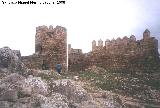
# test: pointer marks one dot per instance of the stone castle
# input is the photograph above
(50, 48)
(118, 54)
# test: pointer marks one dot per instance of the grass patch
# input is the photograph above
(123, 81)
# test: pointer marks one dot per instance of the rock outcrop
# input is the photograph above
(17, 91)
(23, 88)
(68, 88)
(35, 85)
(11, 59)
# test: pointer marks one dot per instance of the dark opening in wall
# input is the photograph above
(45, 65)
(38, 48)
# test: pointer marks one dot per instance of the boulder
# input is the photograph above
(23, 103)
(11, 59)
(6, 55)
(4, 104)
(56, 100)
(12, 78)
(11, 81)
(70, 89)
(33, 85)
(25, 87)
(20, 105)
(9, 95)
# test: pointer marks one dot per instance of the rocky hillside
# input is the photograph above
(24, 88)
(135, 89)
(93, 88)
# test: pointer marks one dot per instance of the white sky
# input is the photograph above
(85, 20)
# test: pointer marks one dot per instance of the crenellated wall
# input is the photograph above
(147, 45)
(120, 53)
(126, 52)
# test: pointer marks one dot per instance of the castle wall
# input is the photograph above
(51, 48)
(76, 59)
(33, 61)
(125, 53)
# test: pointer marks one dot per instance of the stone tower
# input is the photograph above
(146, 34)
(51, 45)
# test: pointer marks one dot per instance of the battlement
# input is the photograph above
(45, 36)
(127, 44)
(50, 28)
(125, 40)
(126, 52)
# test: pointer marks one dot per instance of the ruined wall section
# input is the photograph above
(33, 61)
(76, 59)
(50, 48)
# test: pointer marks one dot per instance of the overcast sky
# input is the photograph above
(85, 20)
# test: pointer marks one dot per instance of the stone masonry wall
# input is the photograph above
(76, 58)
(50, 48)
(126, 53)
